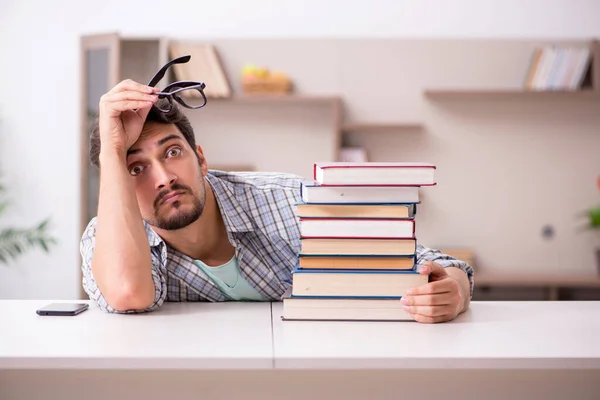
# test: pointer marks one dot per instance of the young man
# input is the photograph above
(168, 229)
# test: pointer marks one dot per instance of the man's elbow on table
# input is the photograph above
(123, 286)
(127, 297)
(125, 300)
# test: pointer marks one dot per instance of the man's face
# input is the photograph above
(169, 178)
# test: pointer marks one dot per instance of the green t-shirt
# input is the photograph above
(229, 279)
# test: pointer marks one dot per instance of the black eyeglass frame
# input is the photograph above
(171, 91)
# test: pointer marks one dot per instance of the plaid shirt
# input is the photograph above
(259, 213)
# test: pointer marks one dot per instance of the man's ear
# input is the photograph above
(202, 160)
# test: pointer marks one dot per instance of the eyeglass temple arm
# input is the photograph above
(161, 73)
(184, 84)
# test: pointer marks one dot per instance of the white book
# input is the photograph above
(357, 227)
(375, 173)
(312, 192)
(355, 283)
(344, 309)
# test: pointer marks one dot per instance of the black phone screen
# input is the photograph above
(63, 309)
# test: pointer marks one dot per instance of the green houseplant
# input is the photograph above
(16, 241)
(594, 213)
(592, 222)
(594, 218)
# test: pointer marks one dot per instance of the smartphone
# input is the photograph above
(63, 309)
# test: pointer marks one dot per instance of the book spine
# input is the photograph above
(357, 271)
(377, 184)
(375, 166)
(409, 220)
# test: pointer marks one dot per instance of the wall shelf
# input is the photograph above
(588, 82)
(280, 98)
(375, 128)
(481, 94)
(553, 285)
(565, 280)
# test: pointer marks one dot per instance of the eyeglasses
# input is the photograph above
(175, 90)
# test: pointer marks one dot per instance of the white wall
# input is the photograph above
(39, 71)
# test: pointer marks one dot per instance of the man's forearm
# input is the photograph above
(121, 263)
(463, 282)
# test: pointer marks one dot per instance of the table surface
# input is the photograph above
(504, 335)
(178, 336)
(236, 335)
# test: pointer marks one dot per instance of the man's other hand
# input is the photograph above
(440, 300)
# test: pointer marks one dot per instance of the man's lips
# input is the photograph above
(171, 196)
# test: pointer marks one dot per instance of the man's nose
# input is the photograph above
(164, 177)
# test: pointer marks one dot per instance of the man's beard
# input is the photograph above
(182, 218)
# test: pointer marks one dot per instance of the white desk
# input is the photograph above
(496, 335)
(517, 350)
(496, 350)
(178, 336)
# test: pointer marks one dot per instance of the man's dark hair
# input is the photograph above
(174, 116)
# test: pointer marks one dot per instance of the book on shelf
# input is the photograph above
(374, 173)
(559, 68)
(204, 66)
(353, 154)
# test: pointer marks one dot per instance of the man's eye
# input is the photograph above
(136, 170)
(174, 152)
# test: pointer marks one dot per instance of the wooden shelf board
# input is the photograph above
(380, 127)
(511, 93)
(232, 167)
(280, 98)
(485, 279)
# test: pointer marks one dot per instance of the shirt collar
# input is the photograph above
(153, 238)
(232, 211)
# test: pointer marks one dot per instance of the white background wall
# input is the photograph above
(39, 71)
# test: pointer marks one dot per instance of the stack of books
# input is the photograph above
(358, 242)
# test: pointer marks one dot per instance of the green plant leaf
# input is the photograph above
(3, 206)
(594, 216)
(42, 225)
(14, 242)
